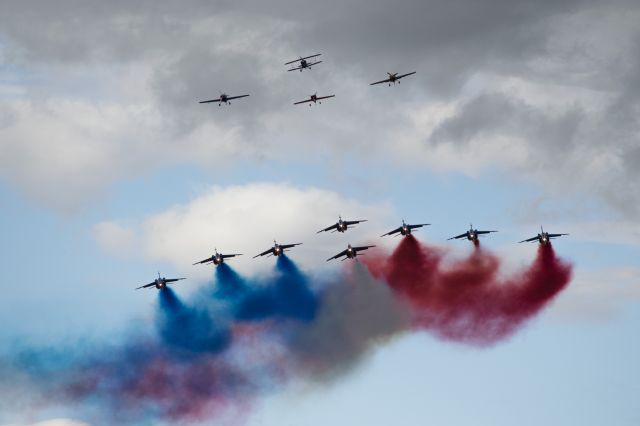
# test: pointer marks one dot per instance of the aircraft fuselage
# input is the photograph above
(351, 253)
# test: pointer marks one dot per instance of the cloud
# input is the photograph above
(599, 295)
(64, 152)
(546, 92)
(246, 219)
(114, 238)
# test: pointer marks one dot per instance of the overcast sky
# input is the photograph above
(520, 114)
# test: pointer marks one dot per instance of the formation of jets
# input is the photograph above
(303, 63)
(351, 252)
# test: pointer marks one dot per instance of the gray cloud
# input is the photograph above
(489, 115)
(164, 57)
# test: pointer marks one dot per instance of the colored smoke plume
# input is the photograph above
(186, 369)
(356, 312)
(189, 330)
(288, 295)
(466, 301)
(242, 337)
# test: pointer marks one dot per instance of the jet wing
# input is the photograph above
(264, 253)
(329, 228)
(209, 101)
(236, 97)
(457, 237)
(325, 97)
(302, 102)
(342, 253)
(556, 235)
(528, 240)
(353, 222)
(405, 75)
(171, 280)
(398, 229)
(361, 248)
(146, 285)
(224, 256)
(386, 80)
(288, 246)
(204, 261)
(484, 232)
(419, 225)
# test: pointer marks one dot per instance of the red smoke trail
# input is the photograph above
(466, 301)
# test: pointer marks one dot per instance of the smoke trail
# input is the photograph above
(356, 312)
(189, 330)
(189, 370)
(286, 296)
(245, 337)
(229, 285)
(466, 301)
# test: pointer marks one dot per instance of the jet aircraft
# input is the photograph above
(350, 252)
(393, 78)
(277, 249)
(223, 99)
(543, 237)
(341, 225)
(303, 62)
(471, 234)
(405, 229)
(217, 258)
(160, 282)
(314, 99)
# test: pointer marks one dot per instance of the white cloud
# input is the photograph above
(245, 219)
(114, 238)
(64, 152)
(598, 294)
(109, 108)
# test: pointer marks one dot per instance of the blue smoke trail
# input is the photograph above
(189, 330)
(288, 296)
(230, 285)
(189, 369)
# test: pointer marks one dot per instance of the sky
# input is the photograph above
(521, 114)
